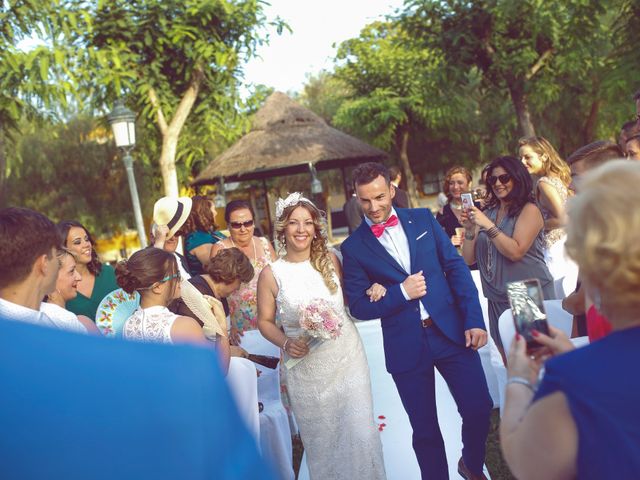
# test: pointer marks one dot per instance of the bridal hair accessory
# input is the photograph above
(292, 199)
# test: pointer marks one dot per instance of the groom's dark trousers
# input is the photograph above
(414, 345)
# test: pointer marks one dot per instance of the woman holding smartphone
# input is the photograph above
(583, 420)
(507, 239)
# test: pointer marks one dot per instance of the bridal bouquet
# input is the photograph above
(319, 321)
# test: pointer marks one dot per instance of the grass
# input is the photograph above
(496, 465)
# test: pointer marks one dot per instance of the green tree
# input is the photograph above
(395, 91)
(523, 48)
(71, 171)
(178, 63)
(323, 94)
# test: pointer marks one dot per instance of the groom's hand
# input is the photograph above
(415, 285)
(475, 338)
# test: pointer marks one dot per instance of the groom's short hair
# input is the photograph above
(367, 172)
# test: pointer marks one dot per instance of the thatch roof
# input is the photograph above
(284, 139)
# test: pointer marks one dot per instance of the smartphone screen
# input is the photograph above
(527, 306)
(467, 201)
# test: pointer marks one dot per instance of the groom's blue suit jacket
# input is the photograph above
(451, 299)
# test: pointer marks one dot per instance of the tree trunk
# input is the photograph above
(519, 99)
(3, 170)
(590, 124)
(168, 165)
(403, 147)
(171, 131)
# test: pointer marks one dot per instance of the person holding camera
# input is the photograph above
(583, 420)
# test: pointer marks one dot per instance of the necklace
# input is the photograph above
(456, 206)
(255, 253)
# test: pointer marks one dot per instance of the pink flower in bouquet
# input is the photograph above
(320, 320)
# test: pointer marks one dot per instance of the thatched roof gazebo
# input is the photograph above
(284, 140)
(287, 139)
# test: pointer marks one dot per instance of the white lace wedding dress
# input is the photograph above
(330, 389)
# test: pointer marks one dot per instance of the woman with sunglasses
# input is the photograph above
(507, 238)
(243, 302)
(153, 273)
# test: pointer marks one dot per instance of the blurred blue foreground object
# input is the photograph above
(78, 407)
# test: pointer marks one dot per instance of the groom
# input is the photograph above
(430, 317)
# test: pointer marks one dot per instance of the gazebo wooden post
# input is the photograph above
(345, 183)
(266, 204)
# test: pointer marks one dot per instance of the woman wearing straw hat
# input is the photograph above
(169, 214)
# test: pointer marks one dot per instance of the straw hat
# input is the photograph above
(172, 212)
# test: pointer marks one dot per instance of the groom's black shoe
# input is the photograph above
(465, 473)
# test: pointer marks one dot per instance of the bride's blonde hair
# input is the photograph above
(320, 258)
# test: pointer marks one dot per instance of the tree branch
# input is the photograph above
(539, 63)
(162, 122)
(187, 101)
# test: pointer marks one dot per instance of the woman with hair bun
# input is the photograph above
(153, 273)
(329, 387)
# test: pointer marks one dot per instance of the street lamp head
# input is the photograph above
(123, 124)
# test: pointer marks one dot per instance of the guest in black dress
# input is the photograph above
(456, 182)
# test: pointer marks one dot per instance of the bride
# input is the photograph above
(329, 388)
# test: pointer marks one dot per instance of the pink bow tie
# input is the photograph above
(378, 228)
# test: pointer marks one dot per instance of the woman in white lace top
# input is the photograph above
(154, 274)
(54, 305)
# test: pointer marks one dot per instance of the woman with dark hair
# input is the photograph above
(153, 273)
(98, 279)
(243, 302)
(223, 275)
(329, 387)
(200, 233)
(507, 239)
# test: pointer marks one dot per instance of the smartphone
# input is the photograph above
(467, 201)
(527, 306)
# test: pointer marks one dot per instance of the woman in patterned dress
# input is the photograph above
(242, 303)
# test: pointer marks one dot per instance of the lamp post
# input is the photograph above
(122, 122)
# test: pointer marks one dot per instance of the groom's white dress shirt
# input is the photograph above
(394, 240)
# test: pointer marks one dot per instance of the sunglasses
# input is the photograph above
(239, 225)
(504, 179)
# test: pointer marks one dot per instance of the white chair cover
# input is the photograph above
(485, 352)
(275, 433)
(243, 383)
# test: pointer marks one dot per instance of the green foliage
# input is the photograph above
(323, 94)
(71, 171)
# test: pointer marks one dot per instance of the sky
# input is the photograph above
(316, 26)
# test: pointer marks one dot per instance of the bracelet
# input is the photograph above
(521, 381)
(469, 235)
(493, 232)
(284, 345)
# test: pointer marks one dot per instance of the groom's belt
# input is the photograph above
(427, 322)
